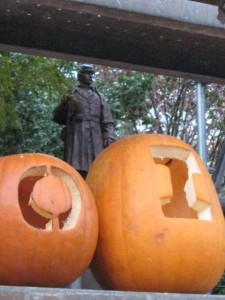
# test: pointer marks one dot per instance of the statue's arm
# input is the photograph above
(61, 111)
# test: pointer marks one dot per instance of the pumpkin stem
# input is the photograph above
(55, 222)
(48, 170)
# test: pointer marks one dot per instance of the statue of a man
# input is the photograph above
(89, 123)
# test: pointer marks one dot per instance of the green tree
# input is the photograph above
(30, 88)
(126, 94)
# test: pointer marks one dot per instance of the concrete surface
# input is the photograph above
(28, 293)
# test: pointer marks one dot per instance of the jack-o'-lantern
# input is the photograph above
(49, 226)
(161, 226)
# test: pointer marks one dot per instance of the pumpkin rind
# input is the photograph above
(31, 254)
(143, 245)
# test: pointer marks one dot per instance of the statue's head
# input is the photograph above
(85, 74)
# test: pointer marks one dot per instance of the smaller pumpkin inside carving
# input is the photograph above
(50, 198)
(47, 192)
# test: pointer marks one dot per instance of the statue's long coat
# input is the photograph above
(88, 123)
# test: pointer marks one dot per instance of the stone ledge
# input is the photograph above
(33, 293)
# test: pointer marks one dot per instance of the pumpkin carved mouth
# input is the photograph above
(47, 192)
(189, 198)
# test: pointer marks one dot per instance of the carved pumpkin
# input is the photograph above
(48, 229)
(161, 226)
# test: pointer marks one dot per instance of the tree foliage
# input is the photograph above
(30, 87)
(145, 103)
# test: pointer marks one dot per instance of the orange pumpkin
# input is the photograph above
(49, 226)
(161, 227)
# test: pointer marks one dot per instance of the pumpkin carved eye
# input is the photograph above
(186, 196)
(49, 198)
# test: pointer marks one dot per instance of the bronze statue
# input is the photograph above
(89, 123)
